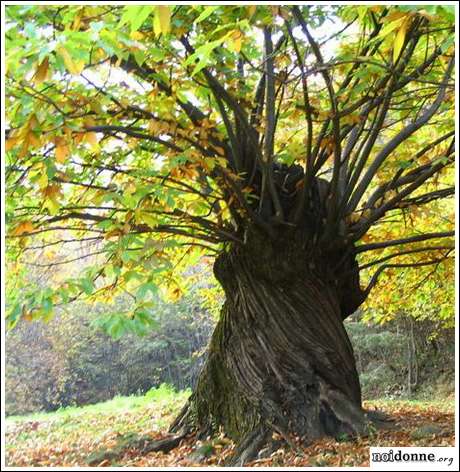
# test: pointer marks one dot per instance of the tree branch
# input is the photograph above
(400, 242)
(398, 139)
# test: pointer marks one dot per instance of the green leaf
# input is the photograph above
(447, 43)
(145, 288)
(117, 327)
(205, 13)
(146, 319)
(141, 17)
(87, 285)
(203, 54)
(135, 16)
(13, 316)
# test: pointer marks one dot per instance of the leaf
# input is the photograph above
(26, 136)
(51, 191)
(140, 17)
(51, 194)
(23, 228)
(447, 43)
(390, 27)
(61, 153)
(74, 67)
(399, 40)
(162, 20)
(131, 15)
(41, 73)
(90, 137)
(203, 54)
(145, 288)
(62, 150)
(236, 38)
(87, 285)
(205, 13)
(10, 143)
(116, 328)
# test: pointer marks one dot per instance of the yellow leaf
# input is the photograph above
(41, 73)
(251, 10)
(162, 20)
(396, 15)
(91, 138)
(51, 193)
(136, 35)
(10, 143)
(236, 38)
(62, 149)
(29, 139)
(114, 233)
(23, 228)
(74, 67)
(153, 127)
(399, 39)
(95, 106)
(52, 205)
(43, 181)
(174, 293)
(61, 153)
(77, 21)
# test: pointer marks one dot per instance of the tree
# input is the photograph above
(290, 144)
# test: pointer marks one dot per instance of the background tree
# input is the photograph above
(295, 144)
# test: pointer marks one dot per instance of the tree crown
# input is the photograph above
(141, 138)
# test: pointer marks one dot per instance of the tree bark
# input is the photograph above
(279, 358)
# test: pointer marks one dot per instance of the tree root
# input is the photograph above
(259, 443)
(249, 447)
(163, 445)
(143, 444)
(379, 419)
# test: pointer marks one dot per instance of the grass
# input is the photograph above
(70, 436)
(74, 431)
(119, 404)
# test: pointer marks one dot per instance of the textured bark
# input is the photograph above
(280, 358)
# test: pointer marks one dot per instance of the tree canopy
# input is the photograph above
(142, 138)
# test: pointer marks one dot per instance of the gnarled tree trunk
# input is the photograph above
(280, 358)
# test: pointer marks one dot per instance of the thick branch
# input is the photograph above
(399, 242)
(398, 139)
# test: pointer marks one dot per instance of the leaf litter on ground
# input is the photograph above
(99, 436)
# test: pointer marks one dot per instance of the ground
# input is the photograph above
(117, 433)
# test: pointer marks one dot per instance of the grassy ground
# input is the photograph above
(107, 434)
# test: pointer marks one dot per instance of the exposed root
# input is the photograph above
(380, 420)
(143, 444)
(182, 424)
(250, 446)
(163, 445)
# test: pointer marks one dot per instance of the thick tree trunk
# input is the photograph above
(280, 358)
